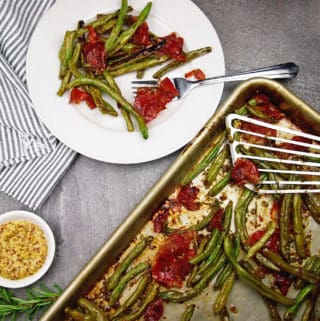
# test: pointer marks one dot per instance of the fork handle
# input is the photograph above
(286, 70)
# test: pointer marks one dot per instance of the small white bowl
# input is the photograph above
(37, 220)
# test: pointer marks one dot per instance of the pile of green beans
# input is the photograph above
(223, 253)
(116, 30)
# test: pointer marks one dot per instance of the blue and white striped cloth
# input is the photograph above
(32, 160)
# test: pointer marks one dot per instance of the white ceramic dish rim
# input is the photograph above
(33, 218)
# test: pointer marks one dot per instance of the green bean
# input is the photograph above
(118, 97)
(252, 102)
(133, 254)
(198, 226)
(210, 273)
(112, 83)
(240, 214)
(266, 263)
(309, 312)
(200, 249)
(106, 27)
(143, 63)
(284, 226)
(143, 282)
(95, 312)
(175, 63)
(292, 311)
(313, 203)
(64, 83)
(222, 297)
(219, 186)
(261, 242)
(209, 248)
(188, 312)
(218, 246)
(251, 280)
(118, 26)
(216, 166)
(76, 315)
(65, 52)
(309, 266)
(74, 61)
(298, 225)
(294, 270)
(103, 106)
(222, 277)
(152, 292)
(117, 291)
(209, 157)
(124, 37)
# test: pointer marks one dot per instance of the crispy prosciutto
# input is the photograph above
(94, 52)
(244, 171)
(171, 264)
(78, 95)
(154, 311)
(187, 196)
(149, 101)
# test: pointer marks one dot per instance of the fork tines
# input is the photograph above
(290, 165)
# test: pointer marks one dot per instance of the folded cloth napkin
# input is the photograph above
(32, 160)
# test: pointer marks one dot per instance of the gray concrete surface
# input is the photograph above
(94, 197)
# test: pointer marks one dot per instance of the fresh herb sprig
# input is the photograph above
(36, 300)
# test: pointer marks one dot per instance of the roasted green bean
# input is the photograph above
(209, 157)
(219, 186)
(143, 282)
(117, 291)
(95, 312)
(222, 297)
(284, 225)
(294, 270)
(124, 37)
(152, 292)
(297, 224)
(133, 254)
(118, 26)
(175, 63)
(216, 166)
(291, 311)
(188, 312)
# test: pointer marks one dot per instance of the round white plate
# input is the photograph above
(103, 137)
(35, 219)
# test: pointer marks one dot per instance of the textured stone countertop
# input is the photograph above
(93, 197)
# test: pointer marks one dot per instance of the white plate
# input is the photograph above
(103, 137)
(35, 219)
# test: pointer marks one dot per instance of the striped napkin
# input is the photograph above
(32, 160)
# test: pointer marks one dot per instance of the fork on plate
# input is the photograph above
(281, 71)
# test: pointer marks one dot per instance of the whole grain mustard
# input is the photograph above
(23, 249)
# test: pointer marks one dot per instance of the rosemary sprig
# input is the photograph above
(36, 300)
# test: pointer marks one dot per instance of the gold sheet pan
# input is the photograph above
(132, 225)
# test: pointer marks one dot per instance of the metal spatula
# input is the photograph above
(290, 165)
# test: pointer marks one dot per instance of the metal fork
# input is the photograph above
(281, 71)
